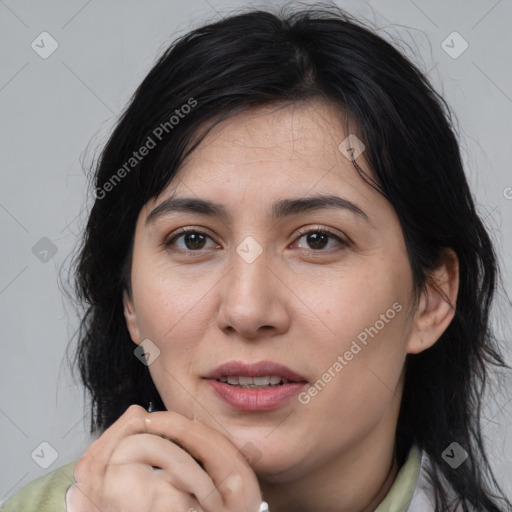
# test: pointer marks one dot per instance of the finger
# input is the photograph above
(76, 472)
(234, 478)
(128, 488)
(172, 500)
(93, 463)
(131, 488)
(203, 443)
(170, 425)
(178, 468)
(130, 422)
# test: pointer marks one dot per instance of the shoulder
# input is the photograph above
(45, 494)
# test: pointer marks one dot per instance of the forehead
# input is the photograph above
(311, 129)
(268, 160)
(285, 146)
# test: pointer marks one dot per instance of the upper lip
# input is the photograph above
(259, 369)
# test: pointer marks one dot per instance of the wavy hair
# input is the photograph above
(257, 58)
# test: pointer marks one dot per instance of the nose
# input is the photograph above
(253, 298)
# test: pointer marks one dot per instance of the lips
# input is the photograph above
(260, 369)
(255, 387)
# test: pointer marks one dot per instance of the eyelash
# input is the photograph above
(300, 234)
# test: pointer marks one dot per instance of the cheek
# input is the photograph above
(364, 346)
(360, 302)
(165, 299)
(357, 384)
(366, 352)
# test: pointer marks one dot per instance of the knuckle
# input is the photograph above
(166, 493)
(95, 447)
(79, 469)
(233, 484)
(134, 417)
(135, 413)
(135, 410)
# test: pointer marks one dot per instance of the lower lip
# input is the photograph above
(256, 400)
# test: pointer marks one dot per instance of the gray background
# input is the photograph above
(53, 109)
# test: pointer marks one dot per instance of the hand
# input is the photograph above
(162, 461)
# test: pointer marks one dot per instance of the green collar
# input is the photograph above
(400, 495)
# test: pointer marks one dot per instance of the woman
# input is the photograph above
(287, 286)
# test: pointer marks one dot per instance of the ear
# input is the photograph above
(437, 303)
(131, 318)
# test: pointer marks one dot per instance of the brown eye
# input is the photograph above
(192, 240)
(318, 239)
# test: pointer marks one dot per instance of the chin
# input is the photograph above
(274, 462)
(278, 470)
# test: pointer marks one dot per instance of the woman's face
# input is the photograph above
(252, 289)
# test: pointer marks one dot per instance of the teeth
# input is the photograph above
(260, 381)
(254, 382)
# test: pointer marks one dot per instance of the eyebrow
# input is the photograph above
(280, 209)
